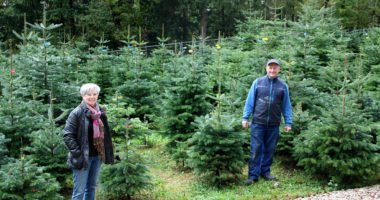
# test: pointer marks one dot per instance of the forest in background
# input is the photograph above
(192, 94)
(87, 20)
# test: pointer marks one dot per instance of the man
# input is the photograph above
(267, 99)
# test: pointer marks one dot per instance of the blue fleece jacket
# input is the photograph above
(267, 100)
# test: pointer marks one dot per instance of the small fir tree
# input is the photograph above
(216, 149)
(339, 145)
(120, 119)
(161, 56)
(23, 179)
(286, 142)
(129, 175)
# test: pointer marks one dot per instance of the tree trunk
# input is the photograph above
(184, 25)
(72, 19)
(203, 23)
(223, 21)
(326, 3)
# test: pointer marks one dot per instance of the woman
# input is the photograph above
(88, 139)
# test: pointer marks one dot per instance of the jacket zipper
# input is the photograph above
(270, 100)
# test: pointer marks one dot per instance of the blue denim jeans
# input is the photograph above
(85, 180)
(263, 145)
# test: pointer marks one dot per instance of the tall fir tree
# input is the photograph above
(98, 67)
(37, 59)
(70, 61)
(42, 66)
(304, 58)
(138, 86)
(316, 32)
(216, 149)
(355, 14)
(237, 69)
(3, 66)
(370, 67)
(340, 145)
(18, 121)
(47, 148)
(183, 102)
(369, 49)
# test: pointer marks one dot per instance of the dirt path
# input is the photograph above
(366, 193)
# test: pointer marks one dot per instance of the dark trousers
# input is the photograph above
(263, 145)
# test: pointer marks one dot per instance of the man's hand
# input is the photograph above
(245, 124)
(288, 129)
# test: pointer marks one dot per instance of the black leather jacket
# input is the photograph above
(76, 137)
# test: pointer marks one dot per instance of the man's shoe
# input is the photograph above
(250, 181)
(269, 177)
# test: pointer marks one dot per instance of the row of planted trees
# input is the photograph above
(193, 96)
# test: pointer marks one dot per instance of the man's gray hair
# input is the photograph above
(88, 87)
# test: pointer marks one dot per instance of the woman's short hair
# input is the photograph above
(85, 88)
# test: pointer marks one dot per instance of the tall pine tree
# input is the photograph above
(47, 147)
(183, 102)
(216, 149)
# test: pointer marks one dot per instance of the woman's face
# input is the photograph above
(91, 97)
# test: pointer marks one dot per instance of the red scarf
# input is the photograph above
(98, 130)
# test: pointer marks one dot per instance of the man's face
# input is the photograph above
(272, 70)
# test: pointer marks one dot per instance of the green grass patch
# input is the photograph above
(173, 184)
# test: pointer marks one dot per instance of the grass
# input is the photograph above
(170, 183)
